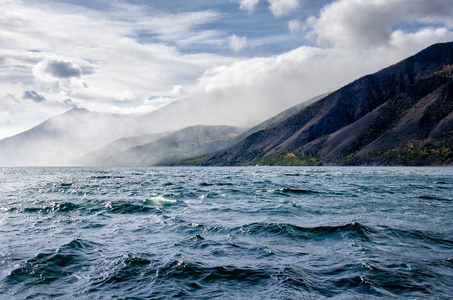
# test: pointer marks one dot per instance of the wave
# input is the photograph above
(292, 174)
(121, 207)
(130, 270)
(176, 278)
(102, 177)
(107, 177)
(218, 184)
(433, 198)
(65, 185)
(126, 207)
(351, 230)
(418, 237)
(160, 200)
(196, 271)
(55, 265)
(296, 191)
(56, 207)
(149, 278)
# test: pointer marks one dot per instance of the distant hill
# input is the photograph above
(401, 115)
(63, 138)
(169, 147)
(103, 155)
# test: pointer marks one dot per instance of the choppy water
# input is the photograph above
(226, 233)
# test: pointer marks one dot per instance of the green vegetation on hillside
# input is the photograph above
(290, 158)
(413, 153)
(416, 153)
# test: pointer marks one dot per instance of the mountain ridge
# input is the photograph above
(336, 128)
(182, 144)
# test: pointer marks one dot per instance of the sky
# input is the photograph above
(135, 56)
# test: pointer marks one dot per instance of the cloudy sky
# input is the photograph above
(134, 56)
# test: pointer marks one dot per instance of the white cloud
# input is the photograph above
(294, 25)
(91, 56)
(370, 23)
(182, 29)
(177, 90)
(237, 43)
(257, 88)
(248, 5)
(124, 95)
(57, 75)
(55, 68)
(282, 7)
(419, 39)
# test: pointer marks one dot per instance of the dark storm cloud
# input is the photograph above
(33, 95)
(63, 69)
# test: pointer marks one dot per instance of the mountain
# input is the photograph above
(271, 122)
(59, 140)
(400, 115)
(121, 152)
(102, 155)
(169, 147)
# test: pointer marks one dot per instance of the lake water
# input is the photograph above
(226, 233)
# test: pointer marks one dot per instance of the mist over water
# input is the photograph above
(227, 233)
